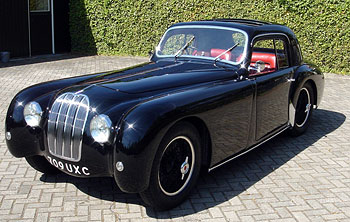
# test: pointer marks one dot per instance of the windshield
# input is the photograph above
(206, 42)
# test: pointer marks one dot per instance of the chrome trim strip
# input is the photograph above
(234, 157)
(85, 88)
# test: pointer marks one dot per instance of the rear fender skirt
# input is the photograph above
(291, 114)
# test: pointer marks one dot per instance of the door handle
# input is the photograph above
(291, 80)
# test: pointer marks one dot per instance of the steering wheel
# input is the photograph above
(191, 47)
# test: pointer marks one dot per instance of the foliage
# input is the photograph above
(38, 5)
(133, 27)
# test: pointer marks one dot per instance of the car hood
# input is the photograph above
(164, 76)
(115, 92)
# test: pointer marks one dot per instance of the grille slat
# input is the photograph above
(78, 127)
(66, 124)
(60, 123)
(52, 127)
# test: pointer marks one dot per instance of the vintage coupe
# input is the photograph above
(212, 91)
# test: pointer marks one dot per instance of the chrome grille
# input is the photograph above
(66, 124)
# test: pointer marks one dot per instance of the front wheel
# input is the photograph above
(303, 110)
(175, 169)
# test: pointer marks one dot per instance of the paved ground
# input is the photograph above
(288, 179)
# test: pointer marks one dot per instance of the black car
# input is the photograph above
(212, 91)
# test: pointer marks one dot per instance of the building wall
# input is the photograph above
(14, 27)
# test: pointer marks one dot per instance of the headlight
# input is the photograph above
(100, 128)
(32, 113)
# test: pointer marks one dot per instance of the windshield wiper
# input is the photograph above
(183, 48)
(228, 50)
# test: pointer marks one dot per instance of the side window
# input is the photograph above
(282, 54)
(269, 55)
(264, 45)
(296, 51)
(263, 57)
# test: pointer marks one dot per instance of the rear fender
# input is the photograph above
(305, 73)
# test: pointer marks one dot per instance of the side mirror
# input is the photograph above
(150, 55)
(242, 73)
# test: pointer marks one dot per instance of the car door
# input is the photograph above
(272, 74)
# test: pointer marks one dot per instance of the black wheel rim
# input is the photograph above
(176, 166)
(303, 108)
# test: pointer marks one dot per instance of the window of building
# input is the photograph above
(39, 5)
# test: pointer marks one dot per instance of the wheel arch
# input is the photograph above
(309, 73)
(205, 138)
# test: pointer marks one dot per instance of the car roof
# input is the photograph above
(251, 27)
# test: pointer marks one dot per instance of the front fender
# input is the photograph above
(140, 134)
(25, 140)
(142, 129)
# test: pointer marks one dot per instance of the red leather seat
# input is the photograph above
(268, 58)
(216, 52)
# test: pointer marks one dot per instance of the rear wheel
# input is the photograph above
(175, 168)
(42, 165)
(303, 110)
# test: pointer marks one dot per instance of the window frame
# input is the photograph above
(274, 36)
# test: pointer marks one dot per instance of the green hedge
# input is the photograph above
(133, 27)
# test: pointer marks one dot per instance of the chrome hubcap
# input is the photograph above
(176, 166)
(308, 107)
(184, 168)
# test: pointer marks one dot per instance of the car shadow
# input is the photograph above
(40, 59)
(225, 182)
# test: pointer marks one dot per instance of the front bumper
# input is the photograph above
(97, 160)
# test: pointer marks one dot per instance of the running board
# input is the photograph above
(250, 149)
